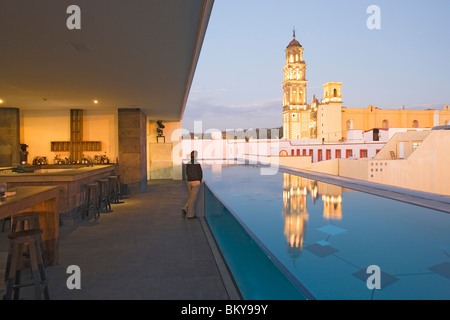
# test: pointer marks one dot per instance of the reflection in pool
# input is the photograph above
(326, 235)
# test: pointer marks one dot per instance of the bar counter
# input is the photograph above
(71, 182)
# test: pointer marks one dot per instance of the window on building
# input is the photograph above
(376, 135)
(298, 152)
(415, 124)
(338, 154)
(319, 155)
(292, 152)
(348, 153)
(385, 124)
(283, 153)
(363, 153)
(328, 154)
(349, 124)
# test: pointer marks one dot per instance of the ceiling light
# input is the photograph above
(1, 100)
(95, 101)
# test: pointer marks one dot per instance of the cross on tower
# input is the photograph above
(76, 145)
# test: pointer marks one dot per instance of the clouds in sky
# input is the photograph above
(214, 115)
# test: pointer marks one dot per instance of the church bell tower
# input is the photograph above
(297, 120)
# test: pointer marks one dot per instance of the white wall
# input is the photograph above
(371, 148)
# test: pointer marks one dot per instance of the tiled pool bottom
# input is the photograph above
(326, 236)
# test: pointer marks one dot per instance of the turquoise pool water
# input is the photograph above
(326, 236)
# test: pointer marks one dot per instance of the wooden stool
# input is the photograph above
(39, 281)
(114, 188)
(91, 200)
(24, 221)
(103, 194)
(119, 186)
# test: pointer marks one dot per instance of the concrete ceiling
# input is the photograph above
(127, 54)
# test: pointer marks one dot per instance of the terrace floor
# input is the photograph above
(143, 249)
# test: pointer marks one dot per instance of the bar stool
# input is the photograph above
(114, 188)
(103, 194)
(91, 199)
(119, 187)
(39, 282)
(24, 221)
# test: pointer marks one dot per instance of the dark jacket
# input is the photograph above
(194, 172)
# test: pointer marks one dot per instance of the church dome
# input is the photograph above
(294, 43)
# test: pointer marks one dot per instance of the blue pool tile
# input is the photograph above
(323, 242)
(331, 229)
(320, 250)
(443, 269)
(385, 278)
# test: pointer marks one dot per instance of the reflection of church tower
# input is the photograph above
(294, 212)
(297, 121)
(332, 207)
(332, 200)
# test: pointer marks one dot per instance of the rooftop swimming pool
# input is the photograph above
(321, 238)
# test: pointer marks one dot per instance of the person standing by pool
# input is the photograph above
(194, 177)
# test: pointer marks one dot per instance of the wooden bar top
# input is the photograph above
(62, 174)
(25, 198)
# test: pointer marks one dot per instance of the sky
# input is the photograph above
(239, 75)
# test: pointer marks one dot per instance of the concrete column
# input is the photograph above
(9, 137)
(133, 149)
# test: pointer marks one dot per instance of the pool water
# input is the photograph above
(326, 236)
